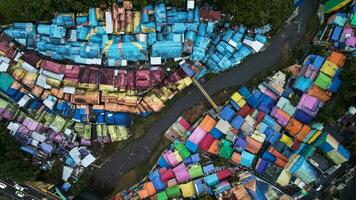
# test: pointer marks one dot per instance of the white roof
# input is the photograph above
(50, 101)
(124, 63)
(53, 75)
(254, 44)
(232, 43)
(75, 154)
(18, 55)
(93, 61)
(67, 172)
(24, 100)
(4, 66)
(5, 59)
(13, 127)
(38, 136)
(68, 131)
(41, 81)
(29, 67)
(156, 60)
(88, 160)
(141, 37)
(190, 4)
(34, 143)
(223, 126)
(108, 20)
(69, 90)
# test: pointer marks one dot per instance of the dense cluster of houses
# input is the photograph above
(118, 36)
(182, 173)
(339, 30)
(267, 130)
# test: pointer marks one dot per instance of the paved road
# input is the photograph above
(107, 176)
(30, 192)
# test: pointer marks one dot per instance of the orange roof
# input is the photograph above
(293, 127)
(337, 58)
(282, 113)
(251, 185)
(207, 123)
(303, 133)
(236, 158)
(240, 193)
(280, 162)
(253, 146)
(147, 190)
(317, 92)
(214, 148)
(277, 154)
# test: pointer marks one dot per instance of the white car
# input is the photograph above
(18, 187)
(319, 188)
(3, 185)
(20, 194)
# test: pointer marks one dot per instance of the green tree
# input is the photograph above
(13, 163)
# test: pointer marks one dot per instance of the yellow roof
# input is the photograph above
(177, 156)
(236, 97)
(313, 138)
(329, 68)
(187, 189)
(284, 178)
(286, 140)
(241, 103)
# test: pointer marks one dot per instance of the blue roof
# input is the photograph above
(336, 33)
(302, 83)
(247, 159)
(237, 122)
(211, 180)
(208, 169)
(227, 113)
(216, 133)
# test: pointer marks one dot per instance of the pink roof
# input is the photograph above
(197, 135)
(181, 173)
(271, 94)
(71, 71)
(30, 124)
(170, 158)
(351, 41)
(156, 76)
(143, 79)
(107, 76)
(121, 80)
(184, 123)
(309, 102)
(131, 80)
(51, 66)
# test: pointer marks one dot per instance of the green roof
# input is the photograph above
(3, 103)
(333, 5)
(173, 191)
(162, 196)
(353, 19)
(5, 81)
(195, 171)
(323, 81)
(226, 149)
(183, 151)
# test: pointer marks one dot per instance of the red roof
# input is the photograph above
(121, 80)
(131, 80)
(206, 142)
(31, 58)
(167, 175)
(224, 174)
(245, 110)
(143, 79)
(51, 66)
(106, 76)
(210, 15)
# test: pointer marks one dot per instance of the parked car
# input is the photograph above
(319, 188)
(3, 185)
(20, 194)
(18, 187)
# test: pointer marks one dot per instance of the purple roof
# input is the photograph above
(351, 41)
(181, 173)
(47, 148)
(309, 104)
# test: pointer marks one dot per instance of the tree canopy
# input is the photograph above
(256, 13)
(13, 163)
